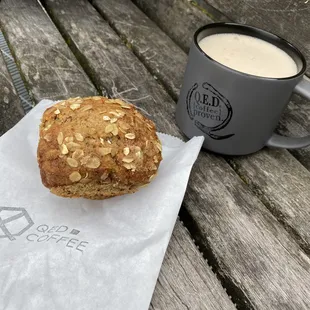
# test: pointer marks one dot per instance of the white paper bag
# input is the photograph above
(60, 253)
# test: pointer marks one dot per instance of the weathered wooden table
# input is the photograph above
(243, 237)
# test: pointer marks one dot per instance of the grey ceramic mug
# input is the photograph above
(236, 112)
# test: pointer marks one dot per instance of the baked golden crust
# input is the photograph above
(96, 148)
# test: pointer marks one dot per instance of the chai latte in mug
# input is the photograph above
(249, 55)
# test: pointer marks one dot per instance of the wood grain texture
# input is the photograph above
(244, 242)
(186, 281)
(177, 18)
(11, 110)
(256, 257)
(47, 64)
(108, 60)
(284, 185)
(287, 18)
(148, 42)
(295, 121)
(207, 289)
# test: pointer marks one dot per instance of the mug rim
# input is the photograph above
(260, 34)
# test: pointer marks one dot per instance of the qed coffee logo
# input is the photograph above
(209, 109)
(14, 222)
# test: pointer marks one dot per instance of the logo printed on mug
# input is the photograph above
(209, 109)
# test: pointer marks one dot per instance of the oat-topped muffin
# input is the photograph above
(96, 148)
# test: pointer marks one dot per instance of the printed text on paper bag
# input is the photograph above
(46, 233)
(14, 222)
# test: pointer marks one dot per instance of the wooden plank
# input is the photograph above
(283, 185)
(46, 62)
(275, 187)
(11, 110)
(139, 32)
(186, 281)
(206, 287)
(295, 122)
(177, 18)
(115, 68)
(288, 18)
(245, 242)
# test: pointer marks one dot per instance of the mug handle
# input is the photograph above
(303, 89)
